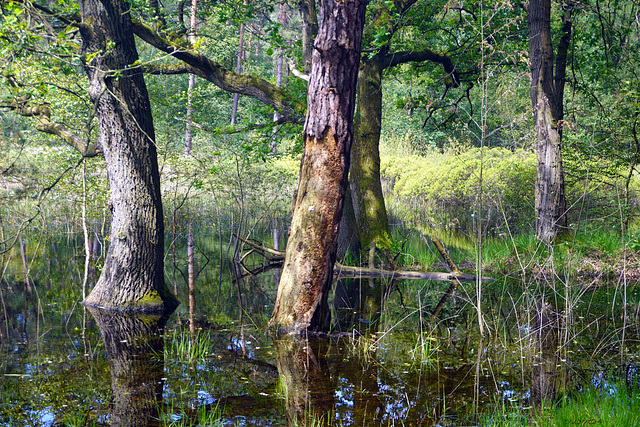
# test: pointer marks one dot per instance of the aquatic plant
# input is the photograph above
(183, 347)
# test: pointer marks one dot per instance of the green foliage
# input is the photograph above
(614, 405)
(634, 241)
(445, 189)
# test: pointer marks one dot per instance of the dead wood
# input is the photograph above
(275, 259)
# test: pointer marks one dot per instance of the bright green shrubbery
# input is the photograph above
(443, 189)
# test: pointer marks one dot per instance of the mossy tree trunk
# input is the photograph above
(309, 30)
(301, 302)
(364, 179)
(547, 97)
(366, 187)
(132, 277)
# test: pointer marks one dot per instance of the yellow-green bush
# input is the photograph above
(448, 189)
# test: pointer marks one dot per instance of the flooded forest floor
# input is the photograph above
(558, 326)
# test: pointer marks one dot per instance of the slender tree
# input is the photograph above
(188, 137)
(239, 58)
(547, 98)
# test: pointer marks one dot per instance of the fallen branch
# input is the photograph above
(341, 271)
(346, 271)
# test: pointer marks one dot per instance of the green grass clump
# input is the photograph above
(614, 406)
(183, 347)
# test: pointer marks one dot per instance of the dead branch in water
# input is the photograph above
(276, 258)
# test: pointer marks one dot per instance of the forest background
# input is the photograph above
(457, 133)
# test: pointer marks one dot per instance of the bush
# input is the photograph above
(443, 189)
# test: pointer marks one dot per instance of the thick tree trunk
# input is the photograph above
(547, 99)
(366, 188)
(132, 277)
(301, 302)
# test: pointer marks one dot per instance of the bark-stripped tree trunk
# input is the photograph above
(547, 96)
(132, 278)
(301, 302)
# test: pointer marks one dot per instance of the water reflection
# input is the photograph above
(135, 350)
(544, 370)
(357, 304)
(319, 383)
(305, 379)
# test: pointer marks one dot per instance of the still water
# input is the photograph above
(64, 365)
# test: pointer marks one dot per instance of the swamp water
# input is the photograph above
(64, 365)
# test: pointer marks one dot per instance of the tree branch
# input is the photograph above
(44, 124)
(397, 58)
(215, 73)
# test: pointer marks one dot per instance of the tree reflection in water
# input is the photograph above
(135, 349)
(312, 374)
(544, 370)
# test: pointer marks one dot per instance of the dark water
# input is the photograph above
(64, 365)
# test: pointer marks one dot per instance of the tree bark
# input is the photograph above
(309, 31)
(301, 302)
(366, 188)
(132, 278)
(547, 100)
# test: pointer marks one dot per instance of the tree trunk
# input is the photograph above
(301, 302)
(282, 20)
(366, 188)
(132, 278)
(25, 266)
(191, 277)
(547, 100)
(309, 31)
(348, 238)
(236, 96)
(188, 137)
